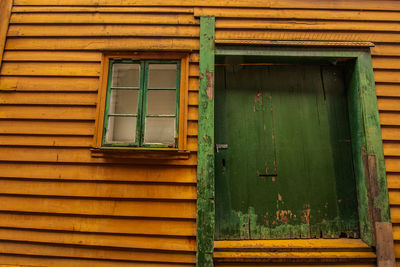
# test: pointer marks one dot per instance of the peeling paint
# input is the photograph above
(306, 214)
(258, 102)
(210, 87)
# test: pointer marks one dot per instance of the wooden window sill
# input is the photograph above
(139, 153)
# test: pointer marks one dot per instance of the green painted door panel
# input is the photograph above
(283, 163)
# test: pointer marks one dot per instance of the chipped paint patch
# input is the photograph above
(210, 87)
(306, 214)
(258, 102)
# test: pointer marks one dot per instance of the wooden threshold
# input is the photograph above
(293, 250)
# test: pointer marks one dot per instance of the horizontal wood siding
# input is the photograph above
(63, 207)
(60, 205)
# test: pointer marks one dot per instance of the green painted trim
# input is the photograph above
(142, 102)
(205, 167)
(358, 141)
(373, 137)
(372, 193)
(143, 107)
(287, 52)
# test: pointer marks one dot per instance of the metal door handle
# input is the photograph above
(220, 146)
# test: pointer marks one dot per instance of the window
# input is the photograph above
(141, 100)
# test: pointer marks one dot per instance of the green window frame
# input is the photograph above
(142, 113)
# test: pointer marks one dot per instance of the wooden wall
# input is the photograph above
(378, 22)
(62, 207)
(59, 205)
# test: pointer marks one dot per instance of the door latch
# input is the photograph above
(220, 146)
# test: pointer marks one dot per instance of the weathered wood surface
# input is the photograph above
(82, 210)
(304, 167)
(367, 5)
(39, 139)
(205, 169)
(5, 7)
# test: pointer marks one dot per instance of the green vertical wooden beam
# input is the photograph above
(368, 157)
(205, 167)
(373, 139)
(358, 142)
(374, 164)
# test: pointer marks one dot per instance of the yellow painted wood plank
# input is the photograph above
(388, 76)
(397, 249)
(49, 98)
(305, 24)
(79, 155)
(85, 172)
(193, 113)
(305, 35)
(52, 56)
(123, 43)
(102, 18)
(194, 57)
(192, 128)
(130, 208)
(284, 256)
(269, 13)
(5, 7)
(396, 232)
(392, 164)
(193, 98)
(393, 180)
(26, 83)
(193, 84)
(86, 9)
(383, 89)
(46, 141)
(386, 50)
(67, 262)
(103, 30)
(349, 4)
(47, 112)
(94, 253)
(99, 239)
(113, 225)
(389, 118)
(194, 70)
(46, 127)
(340, 243)
(192, 143)
(51, 69)
(386, 62)
(390, 133)
(389, 104)
(394, 197)
(99, 189)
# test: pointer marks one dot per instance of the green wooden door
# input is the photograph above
(283, 153)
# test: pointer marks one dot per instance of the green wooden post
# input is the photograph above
(373, 138)
(205, 168)
(358, 141)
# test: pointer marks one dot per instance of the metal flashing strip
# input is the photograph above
(295, 43)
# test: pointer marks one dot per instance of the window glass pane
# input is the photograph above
(123, 101)
(125, 75)
(121, 129)
(161, 102)
(160, 131)
(162, 76)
